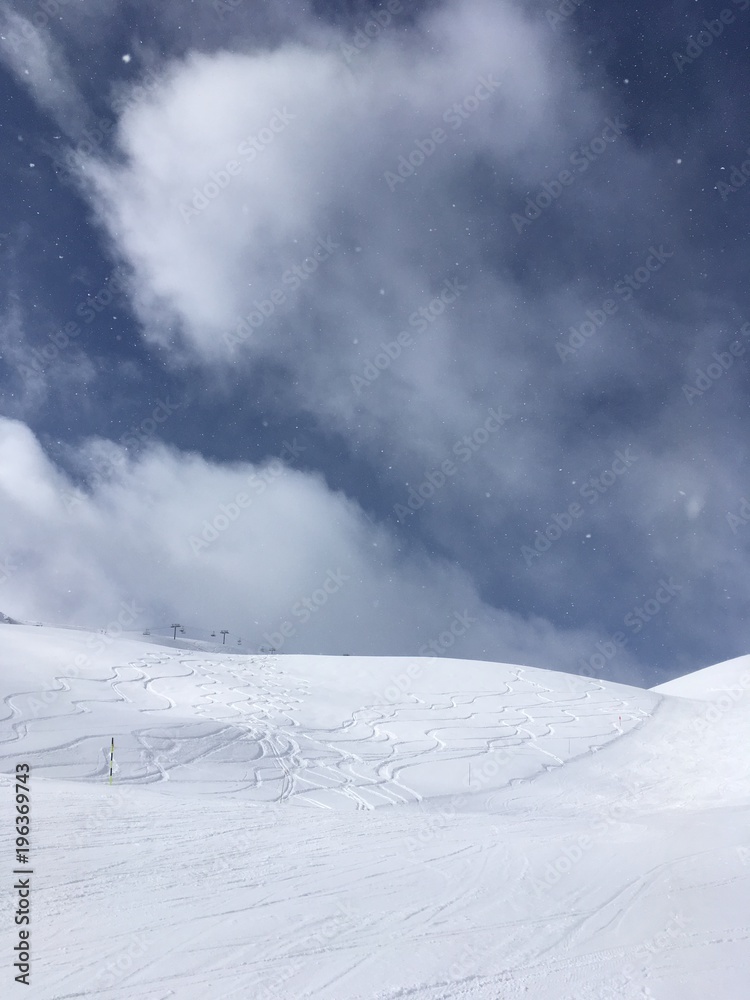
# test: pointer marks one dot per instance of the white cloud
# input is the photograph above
(139, 535)
(323, 174)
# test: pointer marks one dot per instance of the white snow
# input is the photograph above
(712, 683)
(339, 828)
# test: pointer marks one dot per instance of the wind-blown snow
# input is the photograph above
(339, 828)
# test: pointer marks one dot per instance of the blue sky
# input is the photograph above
(356, 326)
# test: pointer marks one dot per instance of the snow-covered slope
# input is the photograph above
(349, 827)
(729, 679)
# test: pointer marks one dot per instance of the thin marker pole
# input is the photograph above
(111, 759)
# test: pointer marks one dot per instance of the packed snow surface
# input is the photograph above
(340, 828)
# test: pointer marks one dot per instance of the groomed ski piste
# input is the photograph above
(284, 827)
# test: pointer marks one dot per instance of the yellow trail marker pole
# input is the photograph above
(111, 759)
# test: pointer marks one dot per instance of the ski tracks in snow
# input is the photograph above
(247, 714)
